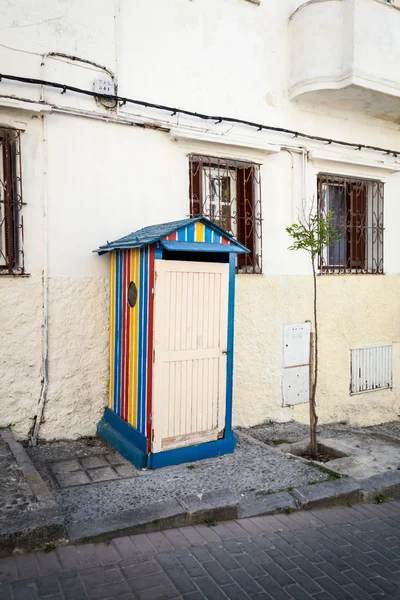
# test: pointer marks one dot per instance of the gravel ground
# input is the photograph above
(253, 470)
(387, 428)
(275, 433)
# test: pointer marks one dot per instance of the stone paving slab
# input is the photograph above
(324, 554)
(88, 469)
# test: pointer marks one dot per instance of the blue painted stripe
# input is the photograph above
(229, 362)
(124, 438)
(216, 238)
(118, 332)
(208, 234)
(146, 334)
(190, 233)
(142, 371)
(125, 429)
(201, 247)
(182, 234)
(191, 453)
(140, 342)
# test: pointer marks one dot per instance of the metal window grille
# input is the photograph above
(357, 208)
(371, 368)
(228, 192)
(11, 221)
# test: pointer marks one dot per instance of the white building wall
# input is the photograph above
(101, 180)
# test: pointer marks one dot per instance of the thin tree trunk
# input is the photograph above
(313, 412)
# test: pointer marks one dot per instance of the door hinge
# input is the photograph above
(152, 292)
(152, 435)
(154, 356)
(151, 417)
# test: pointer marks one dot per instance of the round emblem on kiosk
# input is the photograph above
(132, 294)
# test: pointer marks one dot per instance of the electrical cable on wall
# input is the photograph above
(205, 117)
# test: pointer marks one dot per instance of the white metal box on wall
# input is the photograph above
(296, 363)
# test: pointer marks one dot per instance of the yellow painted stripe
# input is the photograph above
(199, 232)
(112, 329)
(131, 347)
(136, 340)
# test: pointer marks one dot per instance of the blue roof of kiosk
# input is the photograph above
(154, 233)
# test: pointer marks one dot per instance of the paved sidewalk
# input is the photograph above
(329, 554)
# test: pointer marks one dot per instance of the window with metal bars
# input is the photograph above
(357, 209)
(11, 222)
(228, 192)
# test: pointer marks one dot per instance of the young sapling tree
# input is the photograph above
(313, 233)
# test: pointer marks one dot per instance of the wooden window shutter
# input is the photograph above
(358, 226)
(196, 204)
(245, 214)
(8, 203)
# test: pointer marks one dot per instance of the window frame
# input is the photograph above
(363, 230)
(245, 208)
(11, 203)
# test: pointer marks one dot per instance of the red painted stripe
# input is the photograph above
(173, 236)
(224, 240)
(150, 347)
(124, 336)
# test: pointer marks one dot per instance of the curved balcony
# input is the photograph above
(345, 54)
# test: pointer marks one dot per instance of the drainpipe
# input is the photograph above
(45, 287)
(304, 174)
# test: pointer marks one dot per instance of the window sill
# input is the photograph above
(247, 273)
(346, 272)
(15, 273)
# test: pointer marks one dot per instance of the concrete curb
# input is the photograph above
(328, 493)
(190, 510)
(46, 524)
(31, 475)
(223, 505)
(269, 505)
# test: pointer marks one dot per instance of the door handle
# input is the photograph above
(225, 351)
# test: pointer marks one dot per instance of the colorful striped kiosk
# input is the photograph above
(171, 343)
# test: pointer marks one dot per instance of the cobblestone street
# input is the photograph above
(329, 554)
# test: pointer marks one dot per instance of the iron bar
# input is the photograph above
(357, 208)
(228, 192)
(11, 223)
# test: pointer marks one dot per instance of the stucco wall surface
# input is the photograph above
(78, 357)
(21, 357)
(352, 311)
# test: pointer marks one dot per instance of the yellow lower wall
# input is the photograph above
(353, 310)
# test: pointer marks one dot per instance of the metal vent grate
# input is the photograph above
(371, 368)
